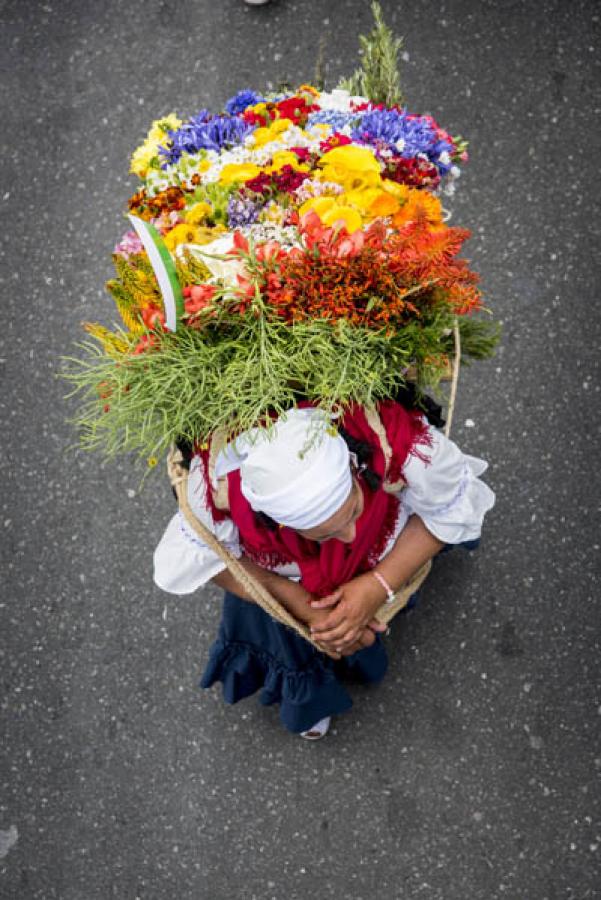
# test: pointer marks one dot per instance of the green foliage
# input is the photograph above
(378, 78)
(232, 373)
(217, 196)
(479, 338)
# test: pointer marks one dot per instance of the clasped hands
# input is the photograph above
(344, 620)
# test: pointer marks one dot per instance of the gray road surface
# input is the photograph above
(471, 774)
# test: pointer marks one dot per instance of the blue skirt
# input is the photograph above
(254, 653)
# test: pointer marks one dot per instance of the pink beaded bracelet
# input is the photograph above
(385, 585)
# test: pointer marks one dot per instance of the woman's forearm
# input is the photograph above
(414, 546)
(289, 593)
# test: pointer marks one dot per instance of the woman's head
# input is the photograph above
(299, 474)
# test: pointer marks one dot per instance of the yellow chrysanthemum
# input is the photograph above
(198, 213)
(238, 172)
(181, 234)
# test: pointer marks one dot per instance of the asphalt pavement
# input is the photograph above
(472, 773)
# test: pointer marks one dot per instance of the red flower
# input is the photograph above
(335, 140)
(199, 297)
(153, 317)
(296, 109)
(303, 153)
(259, 185)
(146, 342)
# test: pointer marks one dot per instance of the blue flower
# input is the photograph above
(205, 132)
(240, 101)
(332, 117)
(388, 127)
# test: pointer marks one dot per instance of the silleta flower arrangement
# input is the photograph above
(293, 245)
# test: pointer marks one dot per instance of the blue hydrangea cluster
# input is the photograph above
(240, 101)
(332, 117)
(205, 132)
(241, 212)
(388, 126)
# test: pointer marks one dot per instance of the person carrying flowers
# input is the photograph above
(289, 289)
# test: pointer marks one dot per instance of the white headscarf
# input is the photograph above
(298, 473)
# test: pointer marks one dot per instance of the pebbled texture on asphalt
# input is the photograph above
(472, 772)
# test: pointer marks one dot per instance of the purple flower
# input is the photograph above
(406, 135)
(205, 132)
(241, 212)
(240, 101)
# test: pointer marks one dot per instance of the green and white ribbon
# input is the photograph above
(164, 269)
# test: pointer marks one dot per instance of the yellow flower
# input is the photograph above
(181, 234)
(345, 215)
(198, 213)
(384, 205)
(152, 462)
(285, 158)
(321, 205)
(270, 133)
(353, 167)
(273, 212)
(206, 235)
(351, 157)
(235, 172)
(148, 150)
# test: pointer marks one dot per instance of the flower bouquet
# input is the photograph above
(294, 244)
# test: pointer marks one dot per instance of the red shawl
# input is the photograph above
(326, 566)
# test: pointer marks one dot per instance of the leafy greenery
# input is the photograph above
(378, 77)
(234, 372)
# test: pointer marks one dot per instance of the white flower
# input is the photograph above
(400, 145)
(444, 158)
(226, 269)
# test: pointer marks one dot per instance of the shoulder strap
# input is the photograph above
(377, 426)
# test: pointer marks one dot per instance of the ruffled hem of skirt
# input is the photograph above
(305, 695)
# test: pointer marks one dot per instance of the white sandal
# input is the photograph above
(317, 731)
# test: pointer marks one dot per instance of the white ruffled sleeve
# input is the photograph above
(446, 492)
(182, 562)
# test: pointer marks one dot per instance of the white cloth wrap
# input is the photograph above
(298, 473)
(446, 493)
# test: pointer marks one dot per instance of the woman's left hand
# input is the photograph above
(356, 604)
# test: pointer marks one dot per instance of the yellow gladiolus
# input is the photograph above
(235, 172)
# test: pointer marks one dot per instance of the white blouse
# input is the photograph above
(446, 493)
